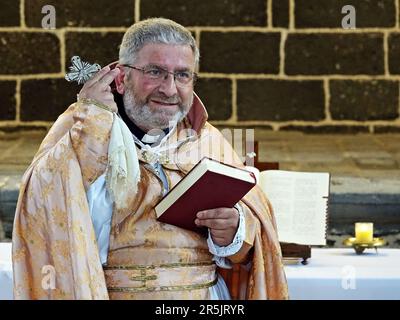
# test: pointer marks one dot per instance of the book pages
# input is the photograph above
(300, 203)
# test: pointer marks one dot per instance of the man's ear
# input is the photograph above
(119, 80)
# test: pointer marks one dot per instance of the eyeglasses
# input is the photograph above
(157, 74)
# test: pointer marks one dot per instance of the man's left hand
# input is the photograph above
(223, 224)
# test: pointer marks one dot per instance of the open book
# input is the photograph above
(300, 203)
(209, 185)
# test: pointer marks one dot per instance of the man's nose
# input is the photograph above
(168, 86)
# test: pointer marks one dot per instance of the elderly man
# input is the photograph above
(81, 232)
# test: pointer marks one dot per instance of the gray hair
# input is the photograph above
(155, 30)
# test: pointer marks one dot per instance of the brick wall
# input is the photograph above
(277, 64)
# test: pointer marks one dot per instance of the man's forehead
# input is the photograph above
(167, 55)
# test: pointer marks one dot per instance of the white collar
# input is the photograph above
(147, 138)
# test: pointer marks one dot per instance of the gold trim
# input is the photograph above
(359, 247)
(143, 278)
(376, 242)
(94, 102)
(150, 267)
(165, 288)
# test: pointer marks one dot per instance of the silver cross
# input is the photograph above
(81, 71)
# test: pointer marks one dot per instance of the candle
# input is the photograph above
(364, 232)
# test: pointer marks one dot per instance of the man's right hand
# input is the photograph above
(98, 88)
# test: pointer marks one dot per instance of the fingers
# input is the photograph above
(98, 76)
(221, 213)
(99, 89)
(108, 77)
(108, 96)
(218, 224)
(222, 222)
(219, 219)
(102, 85)
(103, 78)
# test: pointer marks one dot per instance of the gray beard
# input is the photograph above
(141, 114)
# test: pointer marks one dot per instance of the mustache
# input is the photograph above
(164, 99)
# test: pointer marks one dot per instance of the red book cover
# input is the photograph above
(211, 190)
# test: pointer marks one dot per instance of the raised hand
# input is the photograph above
(98, 88)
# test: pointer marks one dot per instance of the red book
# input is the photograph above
(209, 185)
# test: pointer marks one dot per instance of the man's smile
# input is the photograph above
(163, 103)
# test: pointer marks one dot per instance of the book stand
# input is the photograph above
(296, 251)
(289, 250)
(237, 277)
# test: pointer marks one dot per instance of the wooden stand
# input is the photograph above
(296, 251)
(289, 250)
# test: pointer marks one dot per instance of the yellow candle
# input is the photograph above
(364, 232)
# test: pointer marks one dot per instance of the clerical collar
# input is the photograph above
(139, 133)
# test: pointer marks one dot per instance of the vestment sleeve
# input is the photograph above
(244, 253)
(53, 234)
(88, 127)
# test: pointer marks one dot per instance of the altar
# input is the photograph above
(6, 285)
(341, 274)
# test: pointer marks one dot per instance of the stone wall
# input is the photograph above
(277, 64)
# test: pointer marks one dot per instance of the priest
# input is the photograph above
(85, 225)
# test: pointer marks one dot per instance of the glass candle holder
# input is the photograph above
(364, 232)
